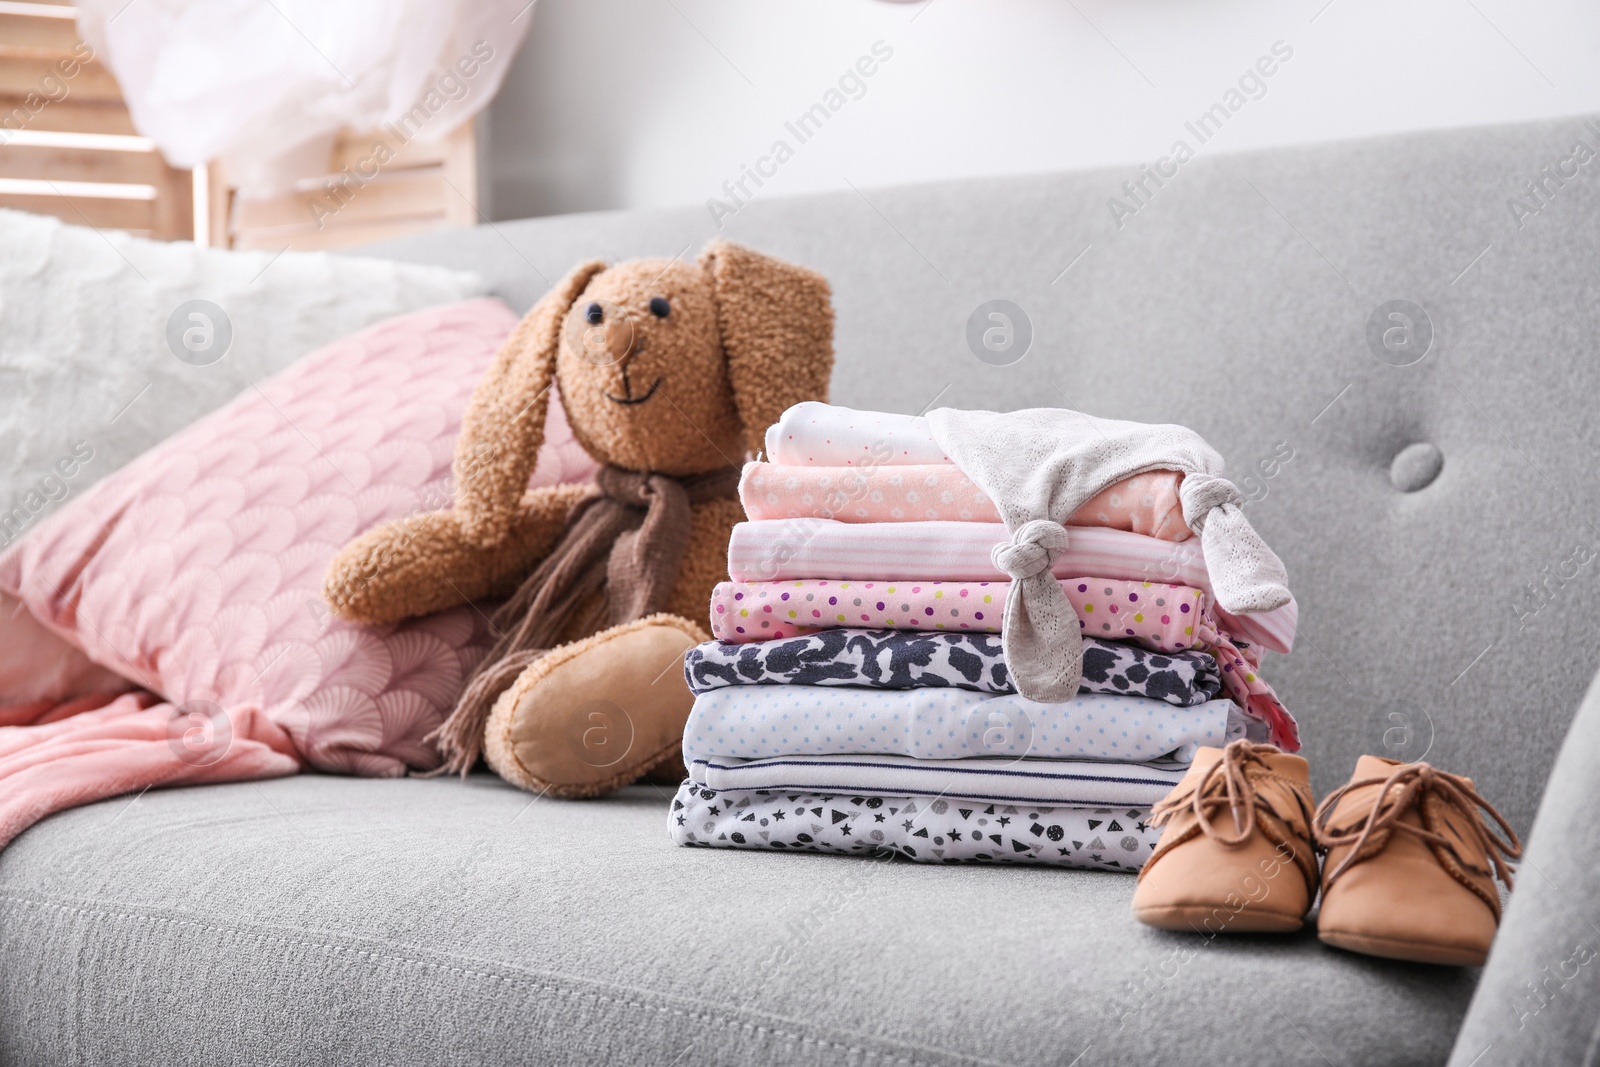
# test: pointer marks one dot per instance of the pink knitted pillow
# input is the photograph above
(196, 570)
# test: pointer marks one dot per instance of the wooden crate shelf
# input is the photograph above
(376, 188)
(67, 145)
(68, 148)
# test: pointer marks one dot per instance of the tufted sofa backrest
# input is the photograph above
(1393, 342)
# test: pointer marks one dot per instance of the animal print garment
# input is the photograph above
(905, 659)
(937, 830)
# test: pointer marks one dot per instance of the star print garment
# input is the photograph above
(1159, 617)
(942, 830)
(903, 659)
(1143, 504)
(762, 721)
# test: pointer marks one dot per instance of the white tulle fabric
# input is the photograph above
(266, 86)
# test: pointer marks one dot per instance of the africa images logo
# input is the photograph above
(1540, 192)
(1252, 85)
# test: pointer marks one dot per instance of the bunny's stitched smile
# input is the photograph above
(628, 389)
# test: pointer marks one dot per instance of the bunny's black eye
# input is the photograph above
(659, 306)
(594, 314)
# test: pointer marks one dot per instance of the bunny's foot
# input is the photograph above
(592, 716)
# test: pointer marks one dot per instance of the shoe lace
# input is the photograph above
(1414, 781)
(1230, 784)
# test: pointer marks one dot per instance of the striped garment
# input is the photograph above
(1076, 783)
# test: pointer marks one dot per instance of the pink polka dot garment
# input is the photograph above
(1160, 617)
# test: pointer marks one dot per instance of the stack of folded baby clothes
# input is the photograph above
(896, 666)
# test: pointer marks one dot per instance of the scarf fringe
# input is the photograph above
(627, 543)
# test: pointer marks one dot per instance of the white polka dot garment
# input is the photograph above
(763, 721)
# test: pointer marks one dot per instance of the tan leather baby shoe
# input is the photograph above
(1411, 865)
(1236, 854)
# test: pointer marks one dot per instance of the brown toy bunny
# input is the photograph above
(669, 373)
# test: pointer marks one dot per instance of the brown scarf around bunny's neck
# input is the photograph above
(628, 540)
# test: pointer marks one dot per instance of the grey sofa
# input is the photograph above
(1436, 510)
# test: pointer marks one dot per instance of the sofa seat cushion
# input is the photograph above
(318, 920)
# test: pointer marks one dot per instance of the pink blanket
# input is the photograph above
(1157, 616)
(58, 755)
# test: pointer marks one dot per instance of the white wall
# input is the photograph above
(626, 103)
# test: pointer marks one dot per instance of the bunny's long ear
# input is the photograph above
(504, 422)
(777, 332)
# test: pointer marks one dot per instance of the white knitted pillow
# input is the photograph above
(88, 377)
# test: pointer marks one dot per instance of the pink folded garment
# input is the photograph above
(778, 550)
(58, 756)
(1143, 504)
(1153, 615)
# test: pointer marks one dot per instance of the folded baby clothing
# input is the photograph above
(1075, 783)
(903, 659)
(1162, 618)
(915, 656)
(814, 434)
(937, 830)
(788, 549)
(1143, 504)
(751, 722)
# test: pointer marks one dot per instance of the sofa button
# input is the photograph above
(1416, 467)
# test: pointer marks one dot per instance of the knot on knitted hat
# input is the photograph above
(1200, 494)
(1031, 549)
